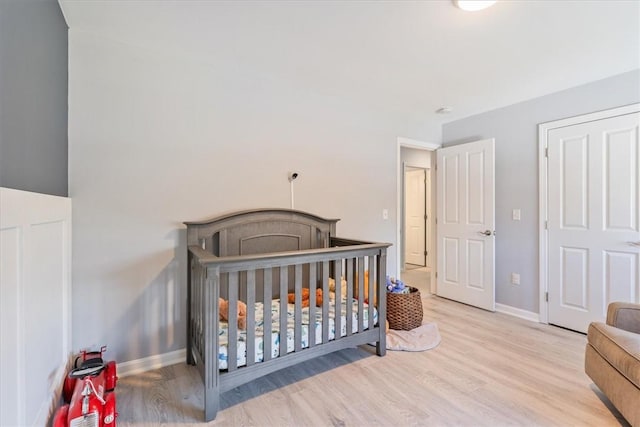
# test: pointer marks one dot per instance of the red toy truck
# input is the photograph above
(88, 392)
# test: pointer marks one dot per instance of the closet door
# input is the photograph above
(593, 223)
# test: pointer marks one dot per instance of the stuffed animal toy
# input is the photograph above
(305, 298)
(223, 307)
(291, 298)
(366, 289)
(332, 288)
(395, 286)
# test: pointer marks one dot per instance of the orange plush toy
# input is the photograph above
(305, 297)
(366, 289)
(223, 306)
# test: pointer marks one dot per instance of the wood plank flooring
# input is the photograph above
(490, 369)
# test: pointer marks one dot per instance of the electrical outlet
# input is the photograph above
(385, 213)
(515, 278)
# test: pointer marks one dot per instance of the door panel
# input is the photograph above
(466, 210)
(620, 188)
(621, 269)
(593, 217)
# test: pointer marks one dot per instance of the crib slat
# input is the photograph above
(349, 313)
(297, 332)
(211, 324)
(232, 346)
(381, 347)
(284, 282)
(325, 302)
(313, 284)
(266, 315)
(251, 317)
(337, 268)
(372, 283)
(360, 294)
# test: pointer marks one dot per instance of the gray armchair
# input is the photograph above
(612, 358)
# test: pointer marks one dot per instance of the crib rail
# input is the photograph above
(263, 277)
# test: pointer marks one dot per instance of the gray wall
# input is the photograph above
(33, 96)
(157, 138)
(515, 131)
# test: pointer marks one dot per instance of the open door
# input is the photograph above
(466, 223)
(415, 180)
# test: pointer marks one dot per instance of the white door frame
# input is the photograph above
(420, 145)
(543, 131)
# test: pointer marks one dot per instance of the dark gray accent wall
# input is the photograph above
(33, 96)
(515, 129)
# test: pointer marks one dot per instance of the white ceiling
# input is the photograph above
(409, 56)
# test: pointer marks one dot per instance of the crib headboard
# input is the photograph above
(261, 231)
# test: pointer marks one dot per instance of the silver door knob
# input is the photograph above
(487, 232)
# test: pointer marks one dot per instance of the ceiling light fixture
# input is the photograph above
(473, 5)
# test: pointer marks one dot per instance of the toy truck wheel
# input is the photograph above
(110, 376)
(60, 418)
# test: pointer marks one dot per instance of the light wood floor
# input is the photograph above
(418, 278)
(490, 370)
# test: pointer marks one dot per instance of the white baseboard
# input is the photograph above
(518, 312)
(145, 364)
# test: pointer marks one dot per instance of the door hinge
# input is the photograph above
(546, 152)
(426, 253)
(425, 218)
(546, 296)
(436, 274)
(546, 225)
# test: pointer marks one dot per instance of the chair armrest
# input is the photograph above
(625, 316)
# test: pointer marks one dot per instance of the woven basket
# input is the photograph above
(404, 311)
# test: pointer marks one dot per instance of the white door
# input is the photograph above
(415, 216)
(466, 223)
(592, 219)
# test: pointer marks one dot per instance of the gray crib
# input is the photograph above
(263, 255)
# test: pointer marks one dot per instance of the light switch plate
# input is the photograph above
(516, 215)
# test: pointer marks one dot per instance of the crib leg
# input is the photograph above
(211, 403)
(381, 345)
(190, 359)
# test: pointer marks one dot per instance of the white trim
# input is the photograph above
(414, 143)
(543, 132)
(421, 145)
(517, 312)
(542, 220)
(145, 364)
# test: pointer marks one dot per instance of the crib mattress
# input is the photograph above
(223, 333)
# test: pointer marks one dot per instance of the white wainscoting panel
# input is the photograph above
(35, 303)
